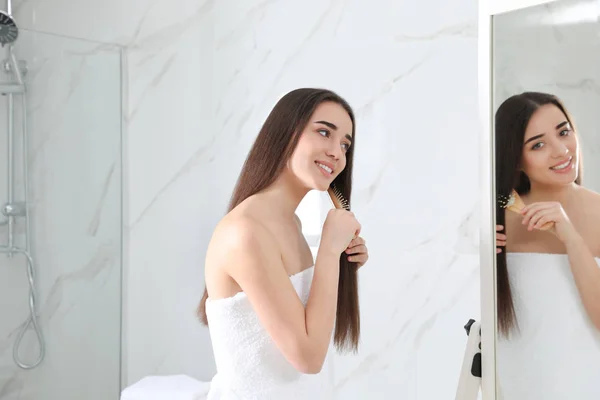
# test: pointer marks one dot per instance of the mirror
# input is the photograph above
(545, 100)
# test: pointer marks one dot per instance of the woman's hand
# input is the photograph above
(339, 229)
(500, 239)
(358, 252)
(536, 215)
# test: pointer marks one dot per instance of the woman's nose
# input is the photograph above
(560, 150)
(334, 152)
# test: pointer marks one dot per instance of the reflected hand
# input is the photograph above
(536, 215)
(500, 239)
(358, 251)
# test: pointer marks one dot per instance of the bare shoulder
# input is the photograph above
(239, 233)
(589, 218)
(591, 195)
(240, 240)
(591, 203)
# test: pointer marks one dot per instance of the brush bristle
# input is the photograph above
(505, 201)
(338, 198)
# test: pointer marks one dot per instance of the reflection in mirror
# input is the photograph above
(546, 96)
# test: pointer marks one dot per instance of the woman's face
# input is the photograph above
(321, 152)
(551, 148)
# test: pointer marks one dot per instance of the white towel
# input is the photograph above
(554, 354)
(173, 387)
(250, 366)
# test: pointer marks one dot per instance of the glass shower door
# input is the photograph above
(71, 162)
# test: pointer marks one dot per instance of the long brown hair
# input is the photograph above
(267, 159)
(511, 122)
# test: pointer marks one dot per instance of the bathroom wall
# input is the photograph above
(203, 76)
(563, 35)
(74, 129)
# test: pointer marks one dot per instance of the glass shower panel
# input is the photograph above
(73, 121)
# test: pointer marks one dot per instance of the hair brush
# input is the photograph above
(338, 199)
(514, 203)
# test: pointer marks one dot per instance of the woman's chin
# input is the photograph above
(320, 183)
(320, 187)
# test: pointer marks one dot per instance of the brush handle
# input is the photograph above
(547, 226)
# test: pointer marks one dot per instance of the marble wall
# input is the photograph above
(555, 48)
(202, 77)
(74, 150)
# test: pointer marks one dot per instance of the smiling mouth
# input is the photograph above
(324, 167)
(562, 166)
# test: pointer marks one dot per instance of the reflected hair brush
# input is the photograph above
(514, 203)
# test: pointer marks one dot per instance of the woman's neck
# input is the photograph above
(285, 194)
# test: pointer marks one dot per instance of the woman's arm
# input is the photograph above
(250, 256)
(587, 276)
(583, 265)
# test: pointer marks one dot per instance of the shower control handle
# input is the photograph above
(8, 66)
(16, 209)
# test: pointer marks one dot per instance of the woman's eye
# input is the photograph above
(537, 146)
(323, 132)
(345, 146)
(565, 132)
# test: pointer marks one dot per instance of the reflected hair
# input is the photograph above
(265, 162)
(511, 120)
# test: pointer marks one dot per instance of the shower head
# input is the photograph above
(8, 29)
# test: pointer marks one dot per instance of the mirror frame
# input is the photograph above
(487, 238)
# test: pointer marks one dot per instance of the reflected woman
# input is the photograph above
(548, 265)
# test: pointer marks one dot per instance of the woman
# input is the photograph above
(270, 312)
(549, 282)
